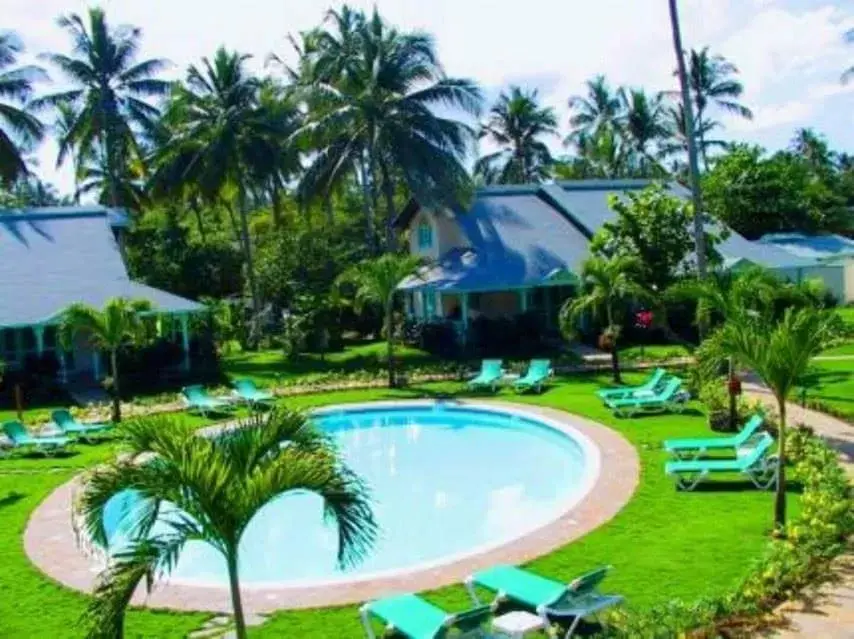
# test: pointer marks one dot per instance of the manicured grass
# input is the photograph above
(664, 544)
(654, 352)
(831, 382)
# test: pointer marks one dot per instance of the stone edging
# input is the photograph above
(51, 544)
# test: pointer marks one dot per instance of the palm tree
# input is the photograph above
(19, 129)
(712, 82)
(223, 142)
(780, 354)
(517, 123)
(603, 153)
(690, 131)
(217, 484)
(110, 91)
(601, 107)
(609, 285)
(372, 115)
(118, 325)
(644, 126)
(376, 281)
(849, 73)
(676, 143)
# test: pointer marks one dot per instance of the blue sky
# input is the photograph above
(790, 52)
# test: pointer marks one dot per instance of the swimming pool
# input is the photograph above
(447, 481)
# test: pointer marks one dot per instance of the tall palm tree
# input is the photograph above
(19, 128)
(690, 134)
(372, 115)
(600, 107)
(676, 143)
(608, 286)
(603, 153)
(780, 353)
(111, 87)
(376, 281)
(120, 324)
(518, 124)
(712, 82)
(217, 484)
(223, 142)
(644, 127)
(814, 149)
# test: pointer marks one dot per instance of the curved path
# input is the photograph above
(829, 612)
(51, 544)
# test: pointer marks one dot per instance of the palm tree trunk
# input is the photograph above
(276, 203)
(327, 208)
(780, 497)
(117, 398)
(234, 586)
(389, 335)
(388, 190)
(194, 205)
(370, 233)
(699, 232)
(615, 356)
(247, 251)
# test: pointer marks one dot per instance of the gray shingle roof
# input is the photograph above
(522, 236)
(52, 258)
(819, 247)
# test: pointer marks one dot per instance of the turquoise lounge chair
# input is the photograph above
(413, 617)
(670, 398)
(752, 462)
(553, 601)
(246, 390)
(694, 448)
(197, 399)
(491, 372)
(21, 438)
(85, 432)
(648, 387)
(538, 373)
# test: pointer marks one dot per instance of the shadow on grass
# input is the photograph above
(740, 486)
(10, 499)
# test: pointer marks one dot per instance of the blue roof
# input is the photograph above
(535, 235)
(51, 259)
(816, 247)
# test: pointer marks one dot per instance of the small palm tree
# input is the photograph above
(609, 285)
(118, 325)
(376, 282)
(109, 93)
(518, 124)
(218, 484)
(780, 354)
(19, 129)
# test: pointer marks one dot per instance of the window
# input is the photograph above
(425, 235)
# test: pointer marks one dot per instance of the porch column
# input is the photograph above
(62, 373)
(185, 340)
(38, 331)
(547, 303)
(523, 300)
(96, 364)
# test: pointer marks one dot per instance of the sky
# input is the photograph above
(790, 53)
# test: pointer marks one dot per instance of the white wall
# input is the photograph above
(446, 234)
(836, 277)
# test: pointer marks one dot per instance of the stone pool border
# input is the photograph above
(51, 544)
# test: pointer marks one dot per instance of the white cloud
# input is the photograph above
(790, 57)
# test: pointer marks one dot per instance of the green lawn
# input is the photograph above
(654, 352)
(831, 382)
(663, 545)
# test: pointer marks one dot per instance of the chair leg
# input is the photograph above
(469, 586)
(366, 622)
(572, 627)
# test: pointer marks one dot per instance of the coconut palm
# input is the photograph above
(644, 127)
(603, 153)
(712, 83)
(376, 281)
(19, 128)
(110, 91)
(373, 115)
(120, 324)
(216, 486)
(779, 353)
(690, 135)
(517, 124)
(223, 142)
(608, 286)
(676, 143)
(600, 107)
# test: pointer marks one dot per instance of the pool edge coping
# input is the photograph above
(51, 543)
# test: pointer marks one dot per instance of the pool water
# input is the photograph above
(446, 481)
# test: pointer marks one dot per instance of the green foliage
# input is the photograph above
(655, 227)
(219, 483)
(757, 194)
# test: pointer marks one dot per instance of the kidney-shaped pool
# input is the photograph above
(446, 481)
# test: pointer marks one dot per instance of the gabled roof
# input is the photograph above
(51, 259)
(522, 235)
(817, 247)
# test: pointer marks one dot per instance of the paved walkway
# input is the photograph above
(827, 613)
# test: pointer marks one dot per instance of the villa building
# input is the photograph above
(51, 258)
(834, 256)
(520, 248)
